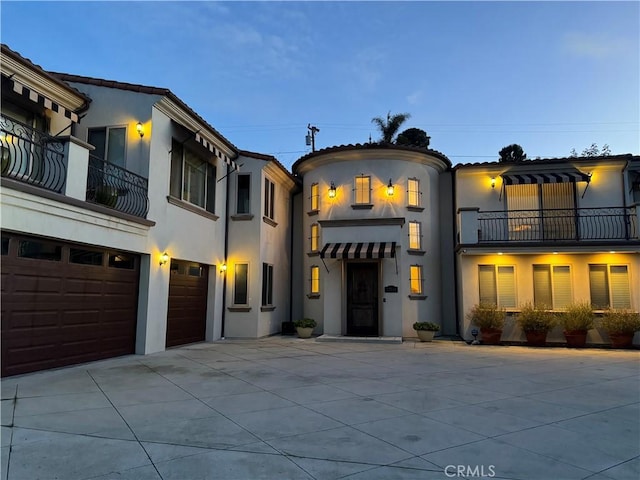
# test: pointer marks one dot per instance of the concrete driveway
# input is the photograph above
(286, 408)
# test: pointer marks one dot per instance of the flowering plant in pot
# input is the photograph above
(577, 320)
(305, 327)
(621, 324)
(535, 320)
(426, 330)
(489, 318)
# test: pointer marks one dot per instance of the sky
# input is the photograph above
(477, 76)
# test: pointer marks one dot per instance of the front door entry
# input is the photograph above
(362, 299)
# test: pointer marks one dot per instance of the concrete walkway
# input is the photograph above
(286, 408)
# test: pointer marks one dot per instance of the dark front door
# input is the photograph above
(187, 309)
(362, 299)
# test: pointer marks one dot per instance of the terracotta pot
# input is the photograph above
(536, 338)
(425, 335)
(576, 338)
(621, 340)
(491, 336)
(304, 332)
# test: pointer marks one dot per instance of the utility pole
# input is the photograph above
(311, 136)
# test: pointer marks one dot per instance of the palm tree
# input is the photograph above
(390, 126)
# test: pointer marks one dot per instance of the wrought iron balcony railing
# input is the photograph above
(551, 225)
(31, 156)
(117, 188)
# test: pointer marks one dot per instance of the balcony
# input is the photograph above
(117, 188)
(612, 224)
(64, 166)
(30, 156)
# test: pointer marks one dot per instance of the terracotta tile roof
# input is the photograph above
(548, 161)
(49, 75)
(372, 145)
(132, 87)
(268, 158)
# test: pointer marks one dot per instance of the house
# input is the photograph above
(549, 231)
(113, 219)
(375, 242)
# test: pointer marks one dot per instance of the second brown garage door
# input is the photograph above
(187, 310)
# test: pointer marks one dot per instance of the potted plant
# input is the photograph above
(305, 327)
(621, 325)
(426, 330)
(489, 318)
(577, 320)
(535, 321)
(107, 195)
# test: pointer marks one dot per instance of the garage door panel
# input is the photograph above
(56, 313)
(187, 308)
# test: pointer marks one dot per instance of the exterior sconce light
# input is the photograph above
(493, 182)
(223, 268)
(390, 189)
(164, 258)
(590, 174)
(332, 191)
(140, 129)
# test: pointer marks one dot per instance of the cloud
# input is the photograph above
(592, 46)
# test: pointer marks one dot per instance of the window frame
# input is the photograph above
(246, 283)
(314, 240)
(416, 268)
(365, 190)
(248, 176)
(417, 193)
(554, 285)
(609, 288)
(210, 174)
(314, 197)
(415, 235)
(314, 280)
(498, 287)
(269, 199)
(107, 133)
(267, 284)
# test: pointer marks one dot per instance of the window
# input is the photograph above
(85, 257)
(267, 284)
(22, 145)
(110, 144)
(415, 236)
(497, 285)
(243, 194)
(315, 197)
(525, 203)
(269, 198)
(314, 280)
(416, 280)
(39, 250)
(413, 192)
(552, 285)
(240, 289)
(362, 190)
(122, 260)
(192, 179)
(609, 286)
(315, 237)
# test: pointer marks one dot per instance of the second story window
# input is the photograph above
(267, 284)
(315, 237)
(362, 190)
(314, 280)
(315, 198)
(269, 198)
(413, 192)
(193, 179)
(110, 144)
(243, 194)
(415, 236)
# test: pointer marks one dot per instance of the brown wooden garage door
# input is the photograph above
(64, 304)
(187, 310)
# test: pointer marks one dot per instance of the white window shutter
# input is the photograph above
(599, 286)
(506, 287)
(620, 294)
(487, 282)
(542, 285)
(561, 286)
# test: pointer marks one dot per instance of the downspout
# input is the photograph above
(226, 251)
(456, 292)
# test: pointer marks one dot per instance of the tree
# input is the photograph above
(414, 137)
(389, 127)
(512, 153)
(593, 151)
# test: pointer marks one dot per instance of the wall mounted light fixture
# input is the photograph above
(140, 129)
(493, 182)
(164, 258)
(332, 190)
(223, 268)
(390, 189)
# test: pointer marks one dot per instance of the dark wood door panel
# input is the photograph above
(362, 299)
(187, 308)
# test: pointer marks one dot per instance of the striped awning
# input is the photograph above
(209, 146)
(534, 178)
(359, 250)
(43, 100)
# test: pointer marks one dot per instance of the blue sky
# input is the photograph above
(476, 76)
